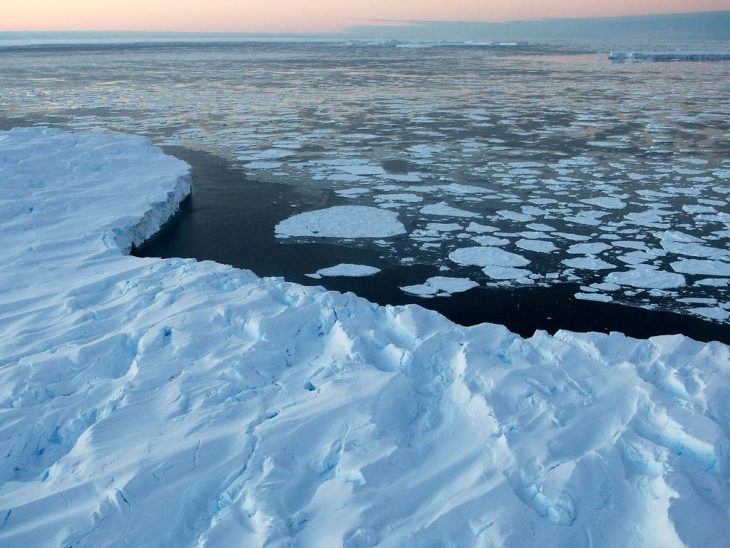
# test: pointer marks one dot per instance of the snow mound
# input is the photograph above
(171, 402)
(342, 222)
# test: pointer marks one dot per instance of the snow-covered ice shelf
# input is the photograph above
(185, 403)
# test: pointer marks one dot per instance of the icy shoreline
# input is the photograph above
(184, 403)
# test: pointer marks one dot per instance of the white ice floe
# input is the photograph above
(694, 249)
(540, 246)
(486, 256)
(647, 277)
(440, 286)
(342, 222)
(598, 297)
(346, 270)
(714, 282)
(263, 164)
(588, 248)
(443, 227)
(638, 257)
(701, 267)
(182, 403)
(399, 197)
(606, 202)
(588, 263)
(711, 312)
(515, 216)
(487, 240)
(506, 273)
(478, 228)
(444, 210)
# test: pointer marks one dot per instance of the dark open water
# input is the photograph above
(230, 219)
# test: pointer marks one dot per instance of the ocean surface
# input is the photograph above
(574, 192)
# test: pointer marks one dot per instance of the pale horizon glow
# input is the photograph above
(306, 16)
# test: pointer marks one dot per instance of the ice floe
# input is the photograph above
(342, 222)
(345, 270)
(644, 276)
(440, 286)
(486, 256)
(588, 263)
(702, 267)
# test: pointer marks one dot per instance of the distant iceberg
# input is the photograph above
(624, 56)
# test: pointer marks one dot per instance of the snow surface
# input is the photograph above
(342, 222)
(183, 403)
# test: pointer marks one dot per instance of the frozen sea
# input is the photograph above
(490, 182)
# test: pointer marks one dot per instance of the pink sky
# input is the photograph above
(306, 15)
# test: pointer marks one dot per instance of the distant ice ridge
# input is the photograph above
(622, 56)
(172, 402)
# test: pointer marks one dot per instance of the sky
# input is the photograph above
(307, 16)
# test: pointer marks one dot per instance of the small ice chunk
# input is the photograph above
(346, 270)
(402, 197)
(637, 257)
(694, 249)
(605, 286)
(599, 297)
(588, 263)
(629, 244)
(352, 192)
(487, 240)
(443, 227)
(711, 312)
(515, 216)
(588, 248)
(714, 282)
(486, 256)
(445, 210)
(605, 202)
(540, 246)
(572, 237)
(646, 277)
(480, 229)
(262, 164)
(540, 227)
(440, 286)
(701, 267)
(505, 272)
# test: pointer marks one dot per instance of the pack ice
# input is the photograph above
(171, 402)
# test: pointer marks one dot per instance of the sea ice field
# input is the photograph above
(173, 402)
(528, 166)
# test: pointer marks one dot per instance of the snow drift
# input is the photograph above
(170, 402)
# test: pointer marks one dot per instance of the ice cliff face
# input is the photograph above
(170, 402)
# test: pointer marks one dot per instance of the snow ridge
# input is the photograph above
(180, 403)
